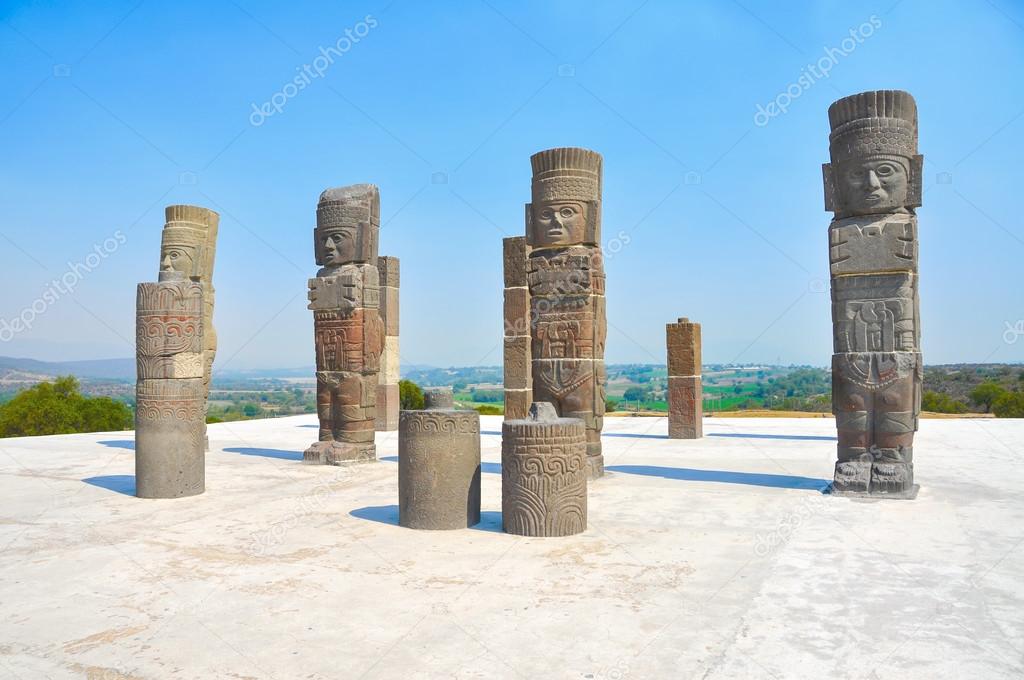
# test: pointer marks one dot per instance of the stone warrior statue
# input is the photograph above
(348, 332)
(188, 245)
(554, 297)
(873, 185)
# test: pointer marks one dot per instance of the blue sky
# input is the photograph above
(110, 111)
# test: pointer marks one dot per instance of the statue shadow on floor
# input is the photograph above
(490, 520)
(630, 435)
(119, 444)
(726, 477)
(124, 484)
(795, 437)
(490, 468)
(280, 454)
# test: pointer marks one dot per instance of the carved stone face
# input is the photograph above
(559, 223)
(340, 246)
(179, 258)
(873, 185)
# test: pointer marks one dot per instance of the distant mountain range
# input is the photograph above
(25, 370)
(20, 370)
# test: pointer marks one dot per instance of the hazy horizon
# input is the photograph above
(712, 208)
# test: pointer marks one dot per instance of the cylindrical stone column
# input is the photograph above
(170, 392)
(544, 474)
(439, 465)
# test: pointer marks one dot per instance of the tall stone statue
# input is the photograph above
(348, 332)
(685, 392)
(554, 297)
(873, 185)
(188, 245)
(388, 400)
(170, 414)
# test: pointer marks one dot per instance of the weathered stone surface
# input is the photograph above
(517, 311)
(517, 403)
(170, 412)
(685, 407)
(348, 332)
(554, 294)
(684, 347)
(544, 474)
(388, 408)
(515, 251)
(873, 185)
(517, 363)
(439, 465)
(188, 244)
(685, 394)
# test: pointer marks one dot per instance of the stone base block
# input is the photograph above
(339, 453)
(595, 466)
(862, 479)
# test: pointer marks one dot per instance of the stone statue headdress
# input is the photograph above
(568, 174)
(193, 229)
(354, 209)
(876, 125)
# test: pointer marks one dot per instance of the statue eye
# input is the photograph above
(547, 213)
(174, 254)
(885, 170)
(859, 172)
(567, 212)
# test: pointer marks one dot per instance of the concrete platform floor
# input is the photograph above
(717, 558)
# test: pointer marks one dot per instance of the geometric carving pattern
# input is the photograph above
(439, 465)
(544, 474)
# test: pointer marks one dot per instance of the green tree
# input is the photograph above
(986, 394)
(610, 404)
(410, 396)
(634, 394)
(937, 402)
(59, 408)
(1009, 405)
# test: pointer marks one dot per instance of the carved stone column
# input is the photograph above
(439, 465)
(348, 332)
(685, 394)
(544, 474)
(170, 397)
(873, 186)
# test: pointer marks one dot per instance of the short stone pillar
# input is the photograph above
(388, 398)
(170, 394)
(685, 394)
(438, 465)
(544, 474)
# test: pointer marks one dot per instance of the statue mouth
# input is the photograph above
(555, 232)
(874, 197)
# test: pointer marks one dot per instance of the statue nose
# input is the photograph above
(873, 180)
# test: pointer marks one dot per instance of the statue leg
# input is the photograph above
(324, 401)
(852, 406)
(894, 423)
